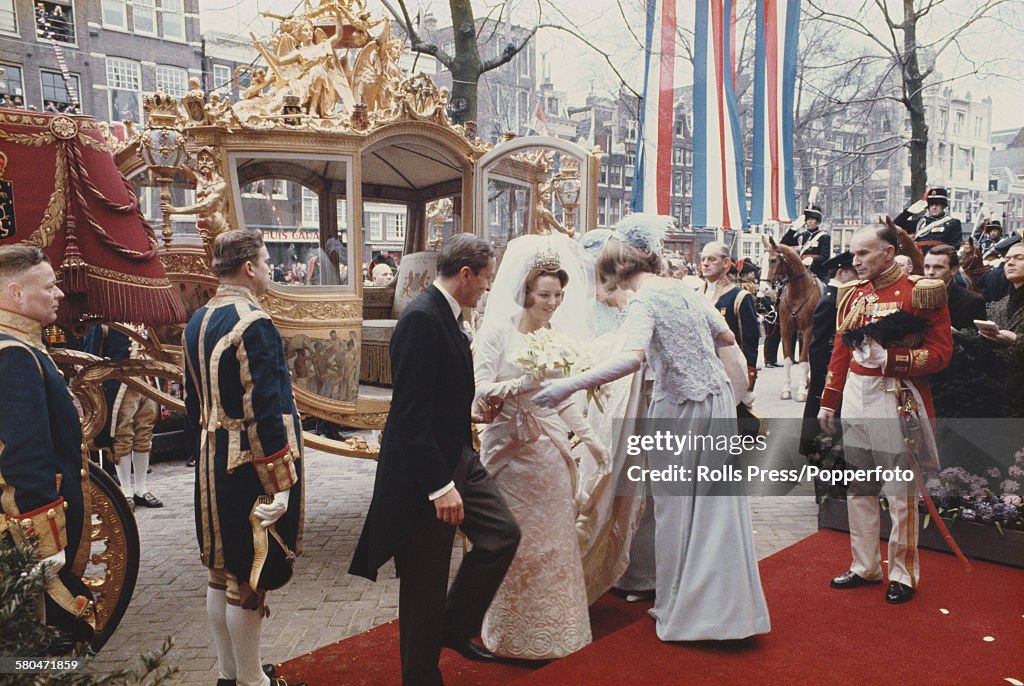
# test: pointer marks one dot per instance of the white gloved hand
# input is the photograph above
(50, 566)
(918, 207)
(870, 354)
(273, 511)
(557, 390)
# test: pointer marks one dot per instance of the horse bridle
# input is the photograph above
(788, 280)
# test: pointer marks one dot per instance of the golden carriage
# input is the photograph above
(387, 141)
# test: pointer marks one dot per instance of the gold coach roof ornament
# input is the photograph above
(162, 147)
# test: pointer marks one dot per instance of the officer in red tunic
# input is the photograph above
(866, 381)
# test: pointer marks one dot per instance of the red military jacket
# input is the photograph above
(864, 302)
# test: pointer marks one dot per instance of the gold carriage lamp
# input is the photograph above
(162, 147)
(567, 189)
(64, 195)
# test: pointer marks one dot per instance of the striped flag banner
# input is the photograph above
(652, 181)
(719, 195)
(772, 197)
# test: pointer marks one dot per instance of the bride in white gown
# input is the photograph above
(540, 610)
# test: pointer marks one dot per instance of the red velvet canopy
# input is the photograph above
(61, 191)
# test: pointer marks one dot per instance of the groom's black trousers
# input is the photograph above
(426, 617)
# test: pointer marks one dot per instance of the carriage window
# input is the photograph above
(298, 202)
(537, 190)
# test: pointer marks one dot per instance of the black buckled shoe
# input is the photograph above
(147, 499)
(852, 580)
(471, 651)
(898, 593)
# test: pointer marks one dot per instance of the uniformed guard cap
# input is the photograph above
(813, 212)
(938, 195)
(1002, 246)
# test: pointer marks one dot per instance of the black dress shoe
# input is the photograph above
(190, 462)
(268, 669)
(471, 651)
(147, 499)
(898, 593)
(851, 580)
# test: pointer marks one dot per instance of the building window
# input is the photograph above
(221, 75)
(524, 61)
(628, 181)
(12, 89)
(958, 123)
(375, 222)
(144, 16)
(979, 123)
(677, 183)
(553, 106)
(124, 81)
(115, 14)
(55, 21)
(602, 213)
(8, 17)
(56, 97)
(395, 223)
(631, 129)
(631, 158)
(688, 188)
(603, 179)
(615, 178)
(172, 80)
(310, 209)
(449, 48)
(173, 14)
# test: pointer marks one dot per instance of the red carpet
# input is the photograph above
(819, 636)
(371, 658)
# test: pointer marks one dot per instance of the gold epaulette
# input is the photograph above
(928, 294)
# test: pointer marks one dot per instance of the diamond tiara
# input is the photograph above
(546, 259)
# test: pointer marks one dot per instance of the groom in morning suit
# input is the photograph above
(429, 478)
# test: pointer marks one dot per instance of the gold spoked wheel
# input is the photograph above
(113, 565)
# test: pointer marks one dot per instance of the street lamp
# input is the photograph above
(163, 147)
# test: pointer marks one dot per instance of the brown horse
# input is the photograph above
(796, 308)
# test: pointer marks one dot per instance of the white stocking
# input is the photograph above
(245, 627)
(124, 475)
(216, 604)
(141, 463)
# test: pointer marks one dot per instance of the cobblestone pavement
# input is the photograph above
(323, 604)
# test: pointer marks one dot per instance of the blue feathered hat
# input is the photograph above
(644, 231)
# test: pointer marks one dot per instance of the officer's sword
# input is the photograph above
(910, 424)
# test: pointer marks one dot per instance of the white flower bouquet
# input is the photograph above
(550, 354)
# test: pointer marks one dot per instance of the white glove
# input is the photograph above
(51, 565)
(918, 207)
(870, 354)
(557, 390)
(270, 513)
(509, 388)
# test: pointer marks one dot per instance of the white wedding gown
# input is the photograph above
(540, 610)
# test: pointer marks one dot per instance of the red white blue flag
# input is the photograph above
(772, 188)
(652, 180)
(719, 195)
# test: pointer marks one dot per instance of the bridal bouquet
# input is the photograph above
(552, 354)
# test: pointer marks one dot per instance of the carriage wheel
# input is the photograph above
(114, 557)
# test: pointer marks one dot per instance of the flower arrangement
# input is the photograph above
(985, 498)
(551, 354)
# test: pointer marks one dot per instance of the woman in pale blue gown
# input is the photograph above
(707, 581)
